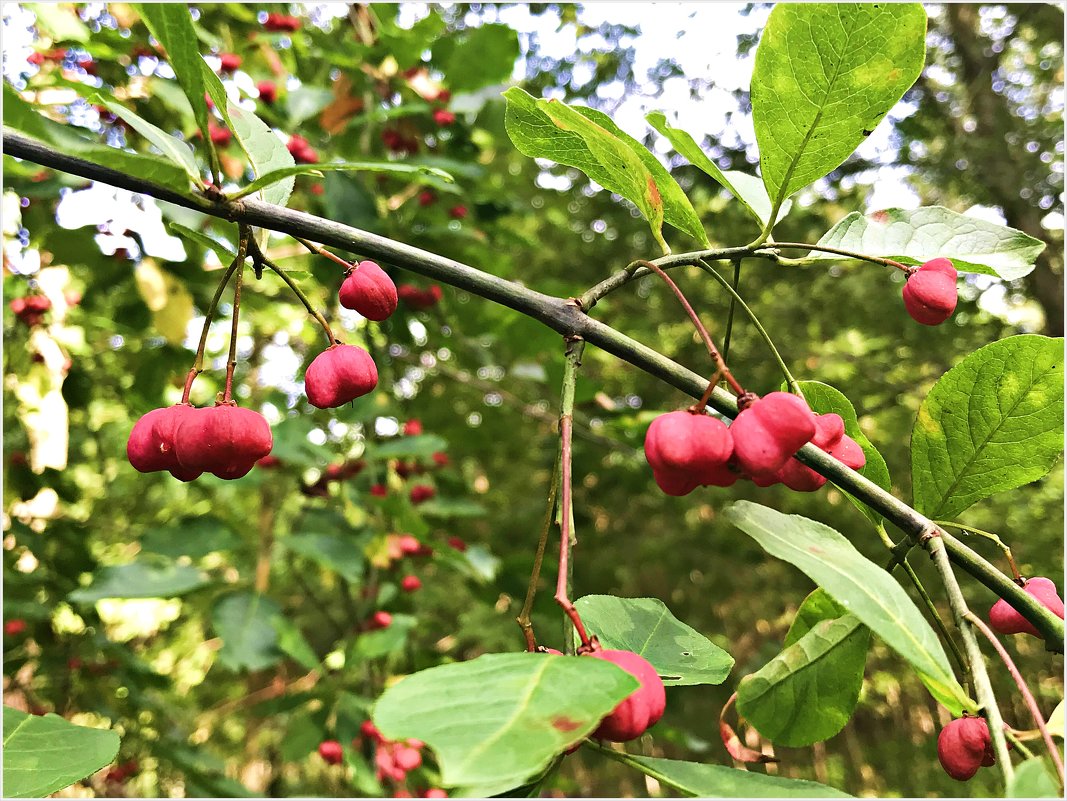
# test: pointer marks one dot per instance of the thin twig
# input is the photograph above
(524, 621)
(321, 251)
(259, 257)
(726, 337)
(231, 362)
(1024, 691)
(989, 536)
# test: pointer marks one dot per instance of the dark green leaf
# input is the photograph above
(43, 754)
(424, 445)
(194, 537)
(245, 622)
(478, 57)
(502, 718)
(825, 76)
(376, 644)
(390, 167)
(223, 249)
(859, 585)
(144, 578)
(172, 148)
(292, 643)
(992, 423)
(680, 653)
(818, 606)
(337, 552)
(914, 236)
(697, 780)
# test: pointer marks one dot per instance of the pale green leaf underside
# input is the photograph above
(1034, 778)
(349, 166)
(174, 149)
(914, 236)
(224, 250)
(45, 753)
(807, 693)
(823, 399)
(992, 423)
(244, 621)
(825, 75)
(859, 585)
(748, 189)
(697, 780)
(265, 150)
(817, 607)
(501, 718)
(144, 578)
(680, 653)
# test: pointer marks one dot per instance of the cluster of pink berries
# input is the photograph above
(301, 150)
(641, 709)
(30, 309)
(224, 440)
(930, 292)
(393, 759)
(281, 23)
(419, 299)
(689, 449)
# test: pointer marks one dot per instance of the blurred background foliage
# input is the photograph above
(982, 127)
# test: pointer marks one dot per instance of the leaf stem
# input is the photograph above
(574, 348)
(848, 253)
(231, 362)
(794, 386)
(321, 251)
(730, 317)
(1024, 691)
(989, 536)
(716, 357)
(260, 258)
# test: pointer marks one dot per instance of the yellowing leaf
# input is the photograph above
(167, 298)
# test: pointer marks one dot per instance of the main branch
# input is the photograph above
(563, 317)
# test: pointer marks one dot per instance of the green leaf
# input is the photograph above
(479, 57)
(1034, 778)
(859, 585)
(172, 26)
(807, 693)
(195, 537)
(748, 189)
(292, 643)
(59, 22)
(265, 151)
(591, 142)
(501, 718)
(337, 552)
(824, 399)
(817, 607)
(144, 578)
(22, 117)
(697, 780)
(43, 754)
(174, 149)
(306, 102)
(245, 622)
(448, 508)
(424, 445)
(375, 644)
(1056, 720)
(825, 76)
(680, 653)
(914, 236)
(223, 249)
(992, 423)
(390, 167)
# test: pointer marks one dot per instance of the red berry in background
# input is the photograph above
(269, 462)
(457, 212)
(410, 584)
(768, 431)
(962, 747)
(229, 62)
(642, 708)
(930, 292)
(421, 493)
(427, 198)
(380, 620)
(440, 458)
(435, 792)
(36, 59)
(419, 299)
(408, 544)
(1004, 619)
(413, 428)
(379, 490)
(443, 117)
(224, 440)
(407, 758)
(443, 96)
(152, 442)
(14, 627)
(331, 752)
(31, 308)
(686, 450)
(457, 543)
(301, 150)
(368, 729)
(369, 291)
(219, 134)
(339, 374)
(281, 23)
(268, 92)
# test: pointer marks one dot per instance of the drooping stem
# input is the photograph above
(726, 337)
(1024, 691)
(575, 346)
(524, 621)
(934, 544)
(231, 363)
(847, 253)
(989, 536)
(794, 387)
(198, 362)
(260, 258)
(720, 363)
(321, 251)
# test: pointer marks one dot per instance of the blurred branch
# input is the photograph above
(567, 318)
